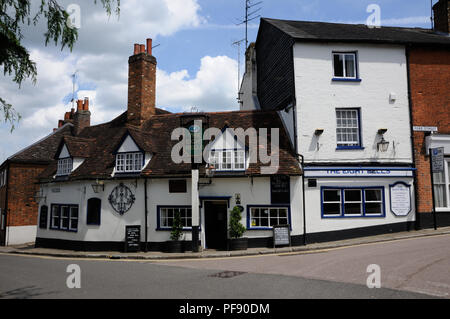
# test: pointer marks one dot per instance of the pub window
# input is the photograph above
(267, 217)
(65, 166)
(178, 186)
(344, 65)
(43, 217)
(64, 217)
(442, 187)
(352, 202)
(167, 215)
(94, 209)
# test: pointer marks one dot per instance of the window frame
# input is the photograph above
(65, 166)
(59, 208)
(446, 183)
(159, 216)
(217, 159)
(344, 67)
(358, 146)
(129, 162)
(269, 207)
(342, 202)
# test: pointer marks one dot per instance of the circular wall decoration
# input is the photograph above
(121, 199)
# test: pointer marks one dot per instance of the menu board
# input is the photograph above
(400, 199)
(132, 238)
(281, 235)
(280, 190)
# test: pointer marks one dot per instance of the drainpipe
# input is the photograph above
(6, 234)
(146, 215)
(303, 197)
(411, 124)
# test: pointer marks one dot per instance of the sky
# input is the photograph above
(197, 61)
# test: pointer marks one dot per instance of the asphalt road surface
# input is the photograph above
(414, 268)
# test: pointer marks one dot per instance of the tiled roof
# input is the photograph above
(43, 151)
(338, 32)
(154, 136)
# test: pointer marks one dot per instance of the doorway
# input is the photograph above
(216, 225)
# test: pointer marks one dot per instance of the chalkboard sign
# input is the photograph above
(132, 238)
(281, 235)
(280, 190)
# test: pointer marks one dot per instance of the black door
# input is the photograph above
(216, 225)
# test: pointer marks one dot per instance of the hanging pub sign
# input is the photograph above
(121, 199)
(132, 239)
(400, 194)
(280, 189)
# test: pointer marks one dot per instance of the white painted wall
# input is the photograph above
(382, 69)
(112, 228)
(316, 224)
(128, 145)
(18, 235)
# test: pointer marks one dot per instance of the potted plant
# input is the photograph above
(236, 230)
(175, 245)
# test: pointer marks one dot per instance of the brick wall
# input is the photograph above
(22, 209)
(430, 94)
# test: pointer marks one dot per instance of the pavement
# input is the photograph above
(29, 249)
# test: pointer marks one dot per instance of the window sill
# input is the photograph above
(345, 80)
(170, 229)
(354, 217)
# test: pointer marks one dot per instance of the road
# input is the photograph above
(413, 268)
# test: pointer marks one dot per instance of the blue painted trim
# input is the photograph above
(213, 198)
(158, 217)
(249, 227)
(342, 215)
(390, 198)
(382, 176)
(359, 168)
(346, 80)
(342, 148)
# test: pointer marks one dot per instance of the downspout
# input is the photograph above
(303, 198)
(411, 124)
(146, 215)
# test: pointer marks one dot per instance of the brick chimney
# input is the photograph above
(82, 118)
(141, 84)
(442, 16)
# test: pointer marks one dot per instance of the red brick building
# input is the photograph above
(18, 206)
(429, 75)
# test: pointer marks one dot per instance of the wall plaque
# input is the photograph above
(121, 199)
(400, 199)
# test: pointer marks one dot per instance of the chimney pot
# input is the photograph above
(79, 105)
(149, 46)
(136, 49)
(86, 104)
(142, 48)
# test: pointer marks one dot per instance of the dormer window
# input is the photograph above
(228, 160)
(65, 166)
(129, 162)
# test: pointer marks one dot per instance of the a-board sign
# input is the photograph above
(132, 238)
(282, 235)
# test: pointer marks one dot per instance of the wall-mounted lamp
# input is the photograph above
(238, 199)
(383, 145)
(98, 186)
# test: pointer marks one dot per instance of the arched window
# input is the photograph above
(94, 208)
(43, 217)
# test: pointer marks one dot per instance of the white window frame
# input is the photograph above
(217, 157)
(65, 166)
(344, 66)
(347, 129)
(129, 162)
(57, 219)
(446, 183)
(254, 225)
(163, 215)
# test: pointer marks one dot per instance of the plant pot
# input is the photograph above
(239, 244)
(174, 246)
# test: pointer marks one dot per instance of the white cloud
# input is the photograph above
(214, 88)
